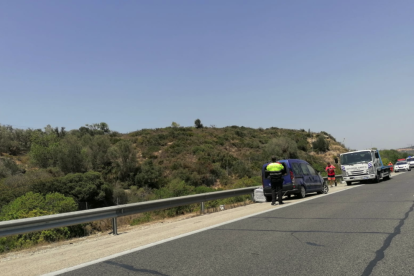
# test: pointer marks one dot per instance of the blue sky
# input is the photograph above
(345, 67)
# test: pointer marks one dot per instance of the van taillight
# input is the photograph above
(292, 176)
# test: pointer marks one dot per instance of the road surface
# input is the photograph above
(368, 230)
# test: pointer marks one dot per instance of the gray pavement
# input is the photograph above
(368, 230)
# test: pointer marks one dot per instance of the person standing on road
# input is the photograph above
(391, 166)
(330, 169)
(276, 171)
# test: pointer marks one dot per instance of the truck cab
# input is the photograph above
(410, 161)
(363, 165)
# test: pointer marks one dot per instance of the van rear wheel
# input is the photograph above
(302, 192)
(268, 198)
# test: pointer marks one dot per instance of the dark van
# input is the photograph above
(300, 180)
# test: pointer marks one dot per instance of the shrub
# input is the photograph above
(87, 187)
(150, 175)
(33, 205)
(320, 144)
(281, 147)
(8, 168)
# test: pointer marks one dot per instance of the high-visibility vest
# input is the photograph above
(274, 167)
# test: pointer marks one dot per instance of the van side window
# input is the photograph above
(304, 168)
(311, 170)
(296, 169)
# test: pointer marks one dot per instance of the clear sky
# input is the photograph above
(345, 67)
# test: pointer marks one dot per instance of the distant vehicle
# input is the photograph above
(402, 166)
(410, 161)
(300, 180)
(363, 165)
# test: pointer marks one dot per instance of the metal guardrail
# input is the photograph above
(339, 176)
(21, 226)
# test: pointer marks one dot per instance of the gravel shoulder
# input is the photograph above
(66, 254)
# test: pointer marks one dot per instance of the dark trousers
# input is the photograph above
(277, 187)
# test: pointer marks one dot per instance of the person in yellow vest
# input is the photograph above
(276, 172)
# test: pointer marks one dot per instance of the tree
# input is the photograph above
(198, 124)
(320, 144)
(101, 128)
(8, 168)
(98, 152)
(44, 149)
(175, 125)
(83, 187)
(14, 141)
(60, 133)
(124, 159)
(281, 147)
(17, 185)
(70, 156)
(150, 175)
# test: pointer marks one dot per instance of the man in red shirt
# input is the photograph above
(330, 169)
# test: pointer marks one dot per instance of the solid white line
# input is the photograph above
(187, 234)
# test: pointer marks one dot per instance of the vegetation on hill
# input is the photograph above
(95, 167)
(392, 156)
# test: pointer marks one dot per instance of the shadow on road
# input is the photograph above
(131, 268)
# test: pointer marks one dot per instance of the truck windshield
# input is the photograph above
(356, 157)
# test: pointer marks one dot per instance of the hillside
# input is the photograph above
(151, 159)
(408, 150)
(236, 152)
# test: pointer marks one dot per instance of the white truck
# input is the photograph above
(363, 165)
(410, 161)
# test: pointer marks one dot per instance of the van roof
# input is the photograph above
(288, 161)
(296, 160)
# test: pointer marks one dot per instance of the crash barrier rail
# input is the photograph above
(337, 177)
(21, 226)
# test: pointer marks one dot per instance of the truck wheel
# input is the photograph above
(349, 183)
(302, 193)
(388, 177)
(377, 178)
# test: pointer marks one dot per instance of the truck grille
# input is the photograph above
(358, 172)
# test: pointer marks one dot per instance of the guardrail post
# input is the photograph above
(114, 226)
(202, 208)
(252, 195)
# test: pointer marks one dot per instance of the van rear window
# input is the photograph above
(304, 168)
(296, 169)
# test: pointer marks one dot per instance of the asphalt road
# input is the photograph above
(368, 230)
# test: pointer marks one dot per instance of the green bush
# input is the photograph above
(150, 175)
(87, 187)
(281, 147)
(392, 155)
(33, 205)
(320, 145)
